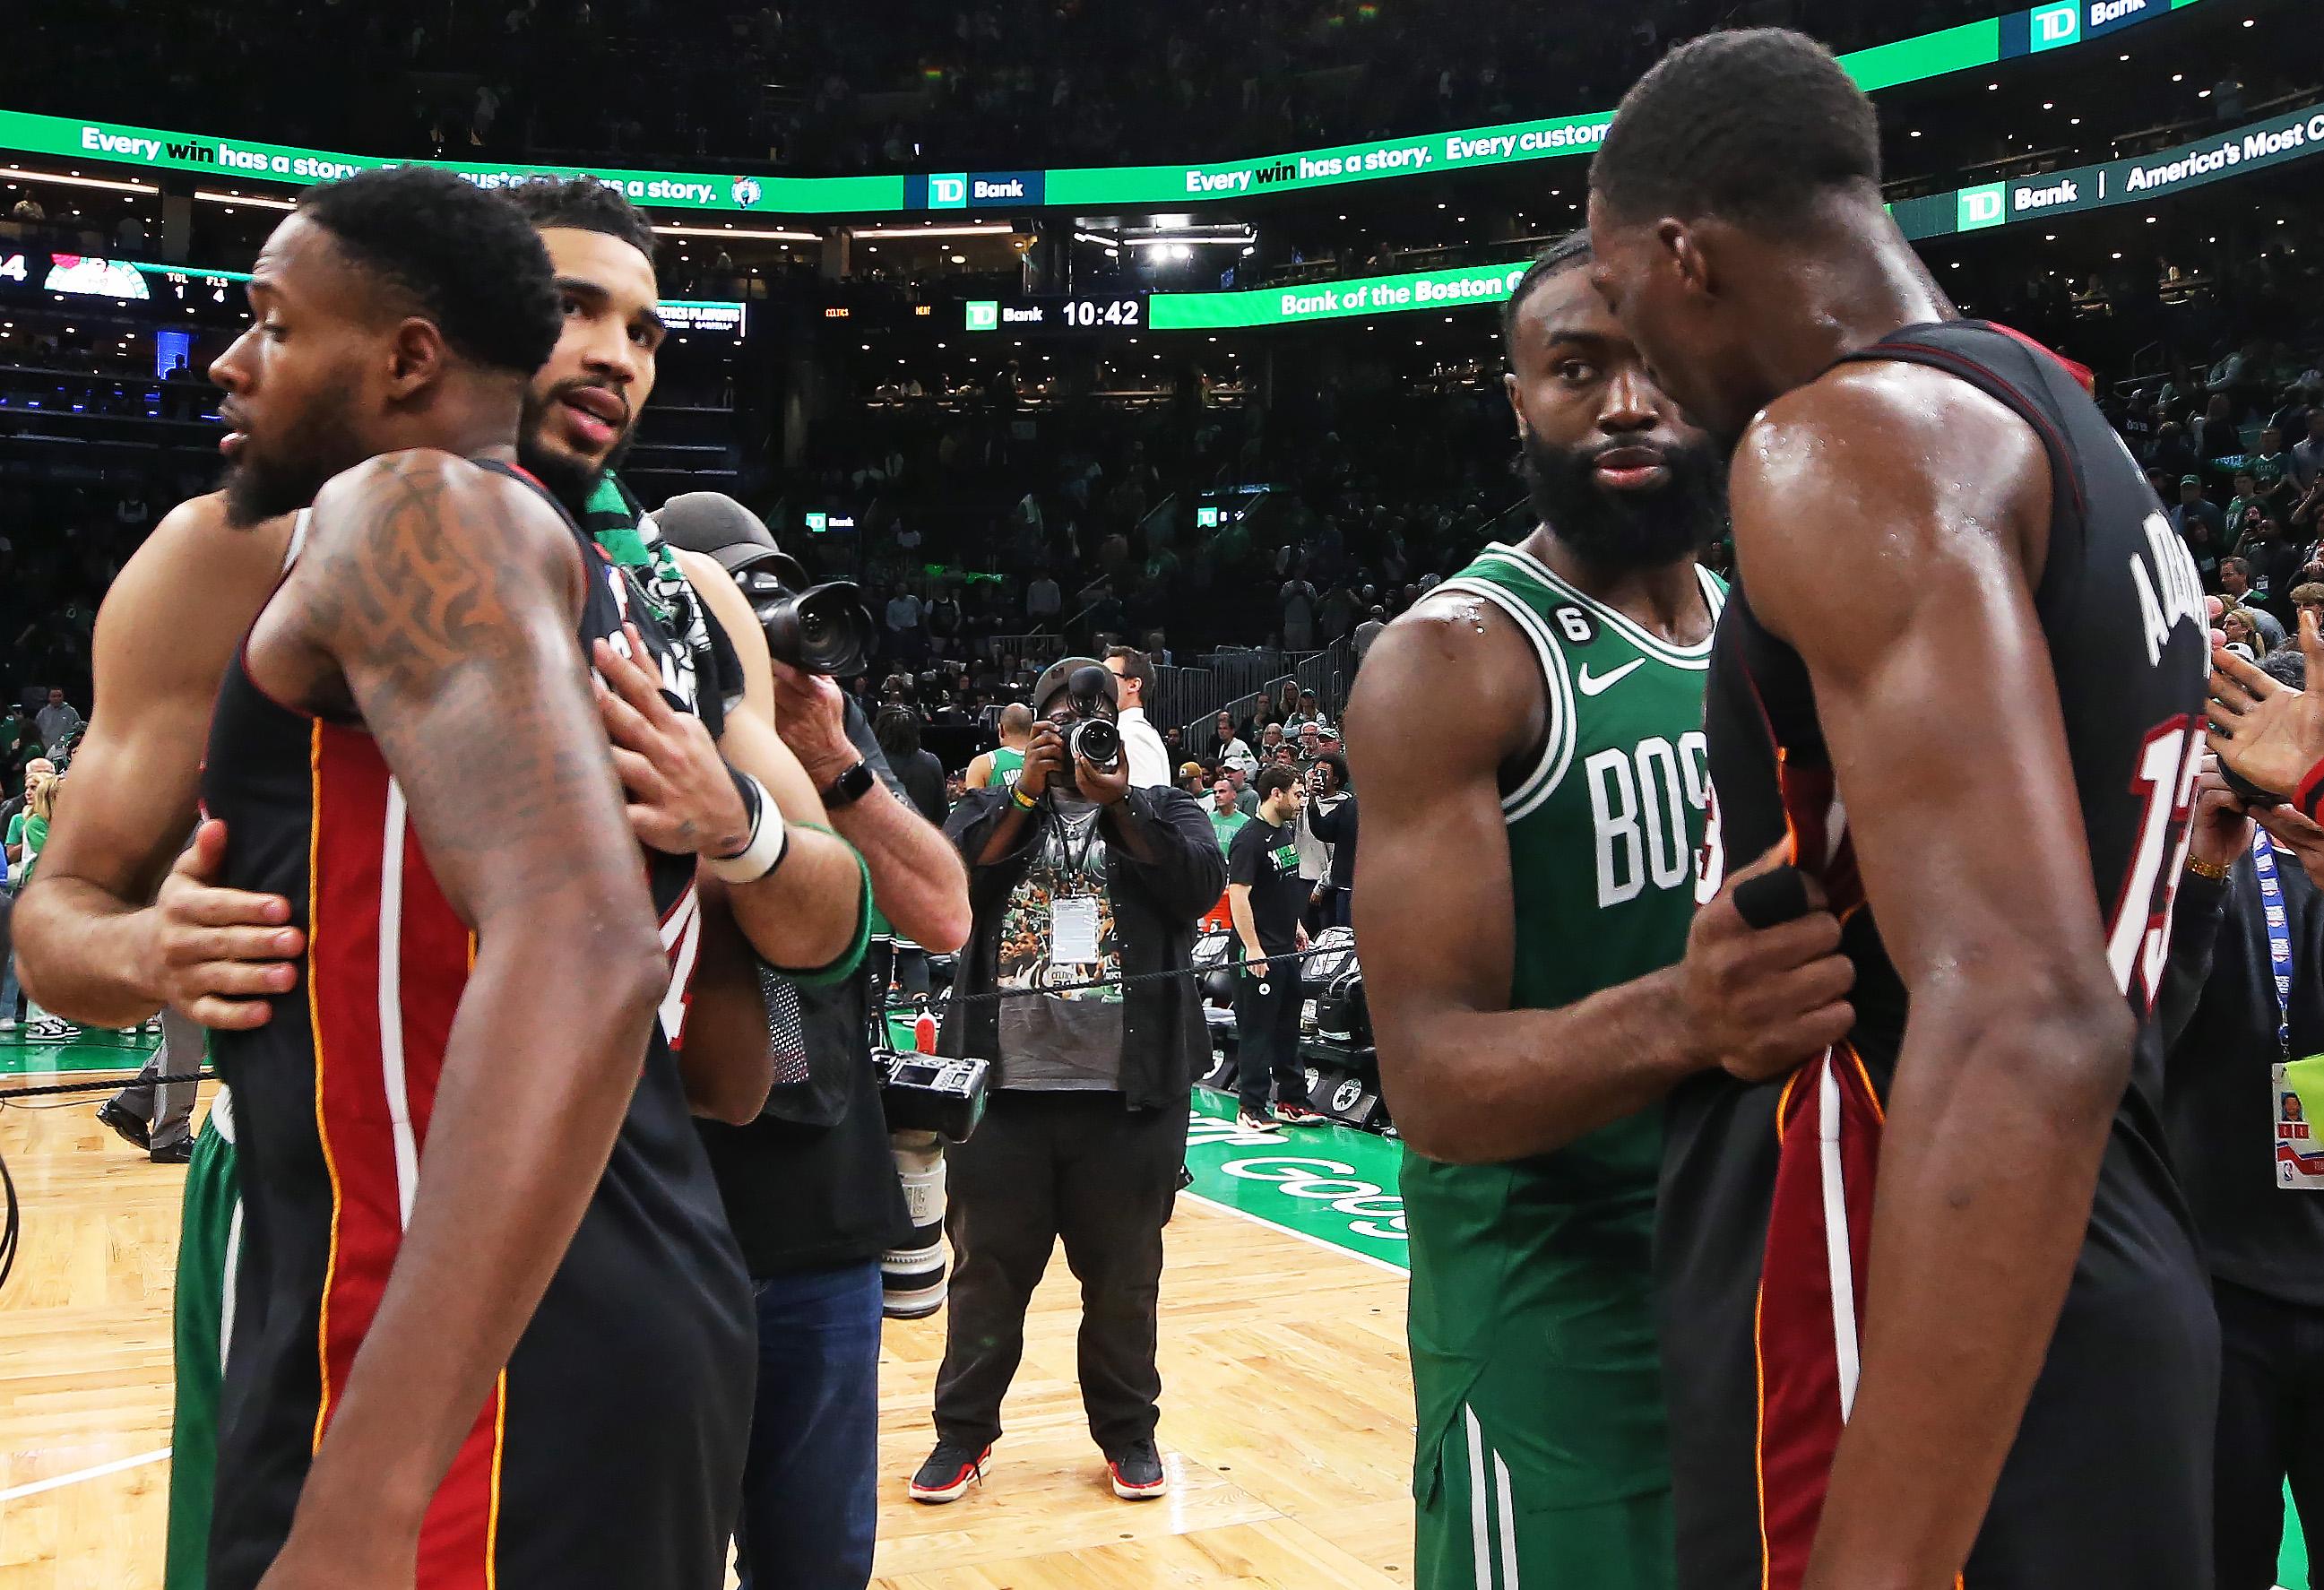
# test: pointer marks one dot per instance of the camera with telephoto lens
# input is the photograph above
(821, 629)
(1095, 740)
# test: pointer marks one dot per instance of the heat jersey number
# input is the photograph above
(2138, 939)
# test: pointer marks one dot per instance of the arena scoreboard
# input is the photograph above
(1056, 314)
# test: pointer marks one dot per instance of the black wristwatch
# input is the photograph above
(849, 787)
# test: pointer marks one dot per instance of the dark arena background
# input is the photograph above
(1053, 325)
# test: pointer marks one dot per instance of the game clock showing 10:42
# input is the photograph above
(1061, 313)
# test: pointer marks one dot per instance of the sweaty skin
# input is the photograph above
(1934, 686)
(1450, 694)
(436, 604)
(88, 946)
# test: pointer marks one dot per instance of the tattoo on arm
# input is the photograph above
(448, 600)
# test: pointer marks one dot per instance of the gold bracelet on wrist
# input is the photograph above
(2204, 869)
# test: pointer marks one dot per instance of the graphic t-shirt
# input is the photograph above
(1266, 857)
(1057, 928)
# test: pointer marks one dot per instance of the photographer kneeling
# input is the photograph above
(1074, 878)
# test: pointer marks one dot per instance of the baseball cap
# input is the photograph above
(2190, 480)
(717, 526)
(1191, 770)
(1054, 679)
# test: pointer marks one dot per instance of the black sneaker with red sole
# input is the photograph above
(1300, 1115)
(1138, 1473)
(949, 1470)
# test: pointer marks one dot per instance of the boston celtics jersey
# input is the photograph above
(1005, 766)
(1531, 1329)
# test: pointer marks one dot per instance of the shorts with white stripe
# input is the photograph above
(1490, 1526)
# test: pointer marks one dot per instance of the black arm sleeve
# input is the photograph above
(969, 825)
(1187, 874)
(2194, 935)
(1328, 825)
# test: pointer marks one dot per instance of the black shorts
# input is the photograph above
(2109, 1480)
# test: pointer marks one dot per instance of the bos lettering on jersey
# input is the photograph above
(1638, 802)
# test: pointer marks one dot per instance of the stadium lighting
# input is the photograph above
(79, 181)
(996, 229)
(207, 197)
(738, 232)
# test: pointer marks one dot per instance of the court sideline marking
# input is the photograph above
(99, 1472)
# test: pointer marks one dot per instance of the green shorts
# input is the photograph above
(1486, 1527)
(209, 1244)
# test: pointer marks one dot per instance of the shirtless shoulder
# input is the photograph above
(175, 613)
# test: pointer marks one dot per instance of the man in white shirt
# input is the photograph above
(1149, 759)
(1042, 598)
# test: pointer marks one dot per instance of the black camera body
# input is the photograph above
(931, 1093)
(1095, 741)
(822, 629)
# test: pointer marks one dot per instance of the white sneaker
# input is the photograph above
(7, 1023)
(53, 1030)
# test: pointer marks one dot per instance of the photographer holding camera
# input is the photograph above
(1076, 878)
(811, 1186)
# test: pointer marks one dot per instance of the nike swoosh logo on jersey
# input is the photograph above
(1606, 682)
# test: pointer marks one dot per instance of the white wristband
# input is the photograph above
(770, 841)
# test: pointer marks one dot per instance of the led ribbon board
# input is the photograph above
(2271, 142)
(2257, 147)
(2060, 24)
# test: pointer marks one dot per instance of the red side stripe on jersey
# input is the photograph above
(348, 817)
(1797, 1344)
(354, 1089)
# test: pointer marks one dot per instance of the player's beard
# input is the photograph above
(570, 479)
(269, 478)
(1613, 531)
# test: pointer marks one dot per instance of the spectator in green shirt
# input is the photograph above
(1227, 818)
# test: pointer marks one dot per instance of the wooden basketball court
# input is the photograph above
(1287, 1420)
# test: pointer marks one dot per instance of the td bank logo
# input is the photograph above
(951, 192)
(983, 315)
(1987, 206)
(2056, 26)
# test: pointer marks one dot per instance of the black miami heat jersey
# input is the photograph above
(1766, 1191)
(610, 1451)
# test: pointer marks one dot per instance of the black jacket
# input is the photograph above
(2219, 1013)
(1155, 906)
(1336, 826)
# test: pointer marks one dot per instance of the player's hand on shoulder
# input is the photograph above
(680, 798)
(1758, 1000)
(218, 955)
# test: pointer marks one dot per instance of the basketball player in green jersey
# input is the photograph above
(1530, 742)
(1001, 764)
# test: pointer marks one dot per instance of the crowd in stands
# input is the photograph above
(1082, 520)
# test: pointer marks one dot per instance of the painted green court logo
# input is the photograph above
(1985, 205)
(983, 315)
(1329, 1184)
